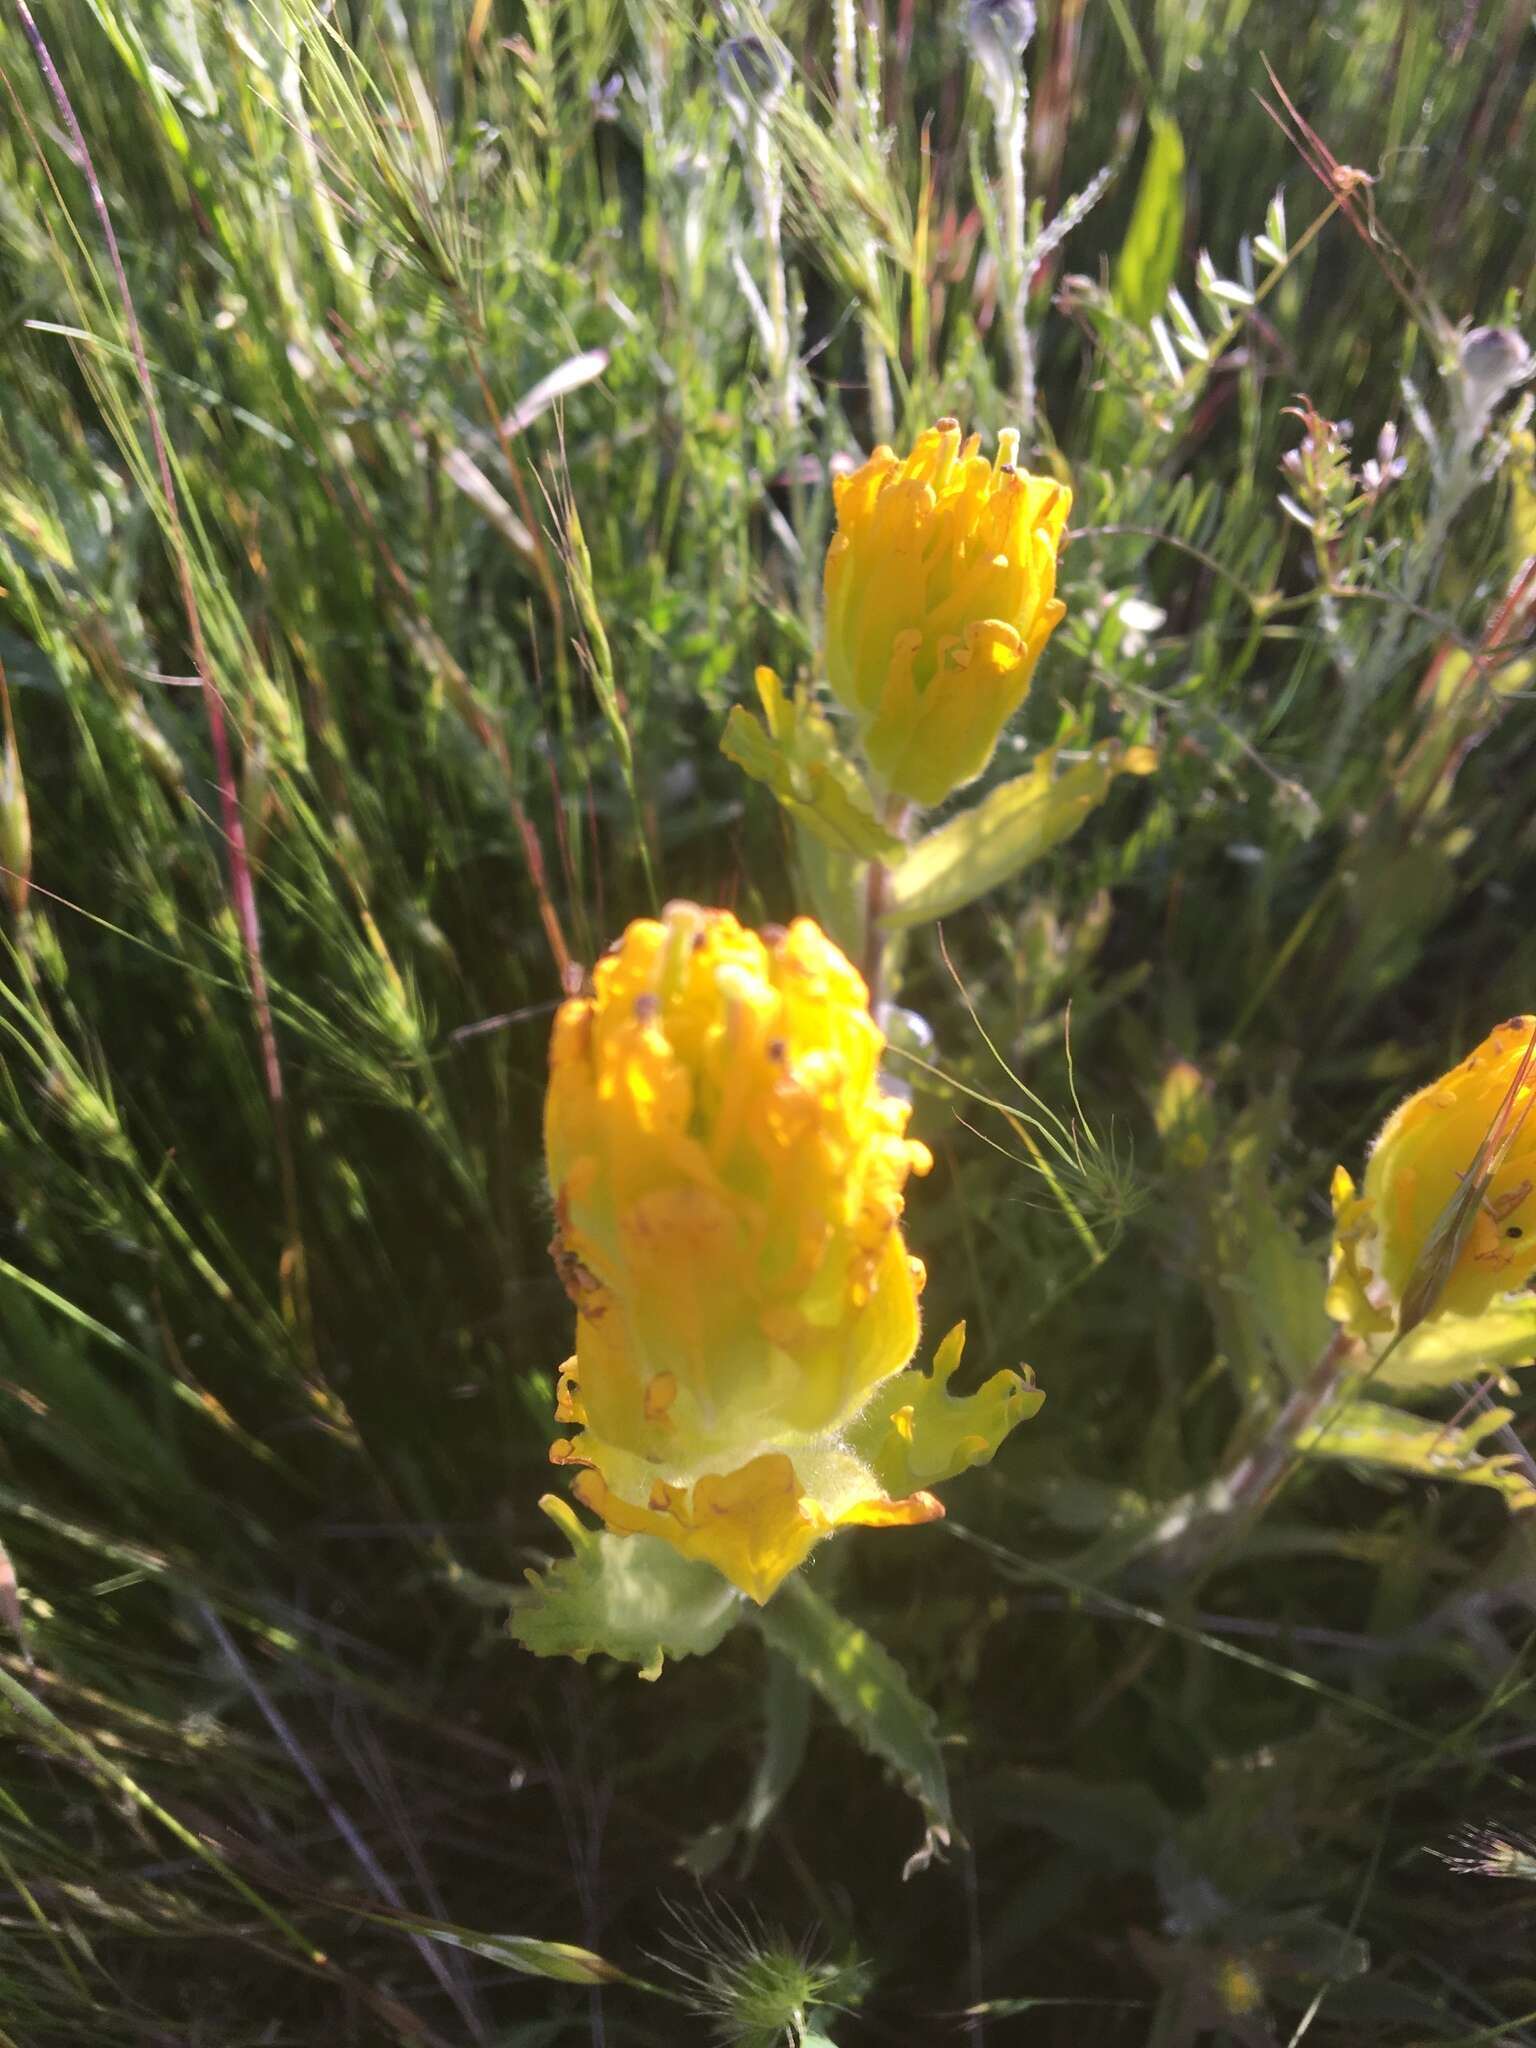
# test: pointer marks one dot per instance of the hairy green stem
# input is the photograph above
(858, 106)
(1012, 138)
(877, 878)
(768, 198)
(1190, 1542)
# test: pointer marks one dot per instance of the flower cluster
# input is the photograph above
(728, 1183)
(941, 594)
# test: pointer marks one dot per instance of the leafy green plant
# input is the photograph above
(389, 540)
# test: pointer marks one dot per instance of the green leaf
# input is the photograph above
(1371, 1433)
(1452, 1348)
(634, 1598)
(1266, 1288)
(1008, 829)
(531, 1957)
(1150, 252)
(560, 1962)
(793, 751)
(868, 1691)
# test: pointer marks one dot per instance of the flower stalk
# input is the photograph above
(753, 72)
(1000, 32)
(858, 106)
(877, 882)
(1202, 1528)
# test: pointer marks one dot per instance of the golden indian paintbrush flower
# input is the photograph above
(728, 1185)
(941, 594)
(1445, 1219)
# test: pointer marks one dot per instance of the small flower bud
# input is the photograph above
(752, 72)
(1385, 466)
(605, 98)
(1496, 357)
(999, 32)
(1492, 361)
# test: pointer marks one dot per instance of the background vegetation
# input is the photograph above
(499, 358)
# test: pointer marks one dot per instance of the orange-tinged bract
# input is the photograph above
(728, 1181)
(941, 594)
(1445, 1219)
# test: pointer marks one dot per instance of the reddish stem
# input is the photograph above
(241, 880)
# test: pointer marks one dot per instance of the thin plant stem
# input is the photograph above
(876, 883)
(335, 1813)
(1008, 224)
(1251, 1482)
(1012, 140)
(768, 197)
(877, 371)
(845, 36)
(877, 878)
(858, 106)
(1193, 1539)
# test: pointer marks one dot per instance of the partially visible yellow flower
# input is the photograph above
(1181, 1109)
(728, 1183)
(941, 594)
(1445, 1219)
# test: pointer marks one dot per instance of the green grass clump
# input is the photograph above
(392, 511)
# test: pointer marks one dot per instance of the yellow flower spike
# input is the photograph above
(1444, 1221)
(728, 1183)
(941, 595)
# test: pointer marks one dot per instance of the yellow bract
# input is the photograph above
(941, 594)
(1445, 1220)
(756, 1524)
(728, 1185)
